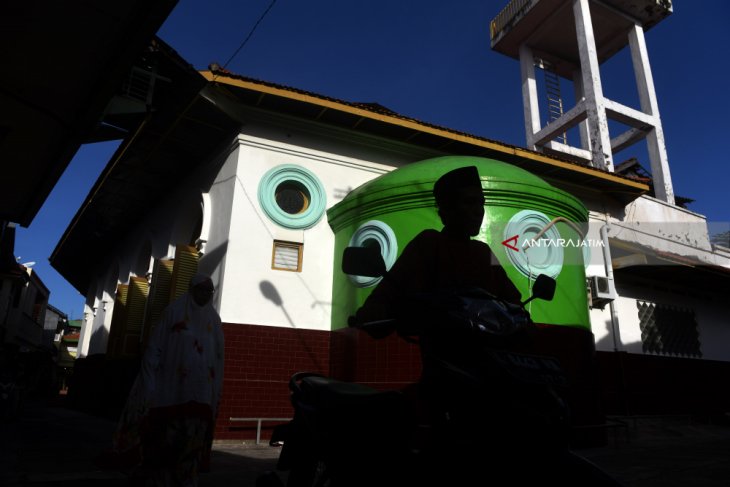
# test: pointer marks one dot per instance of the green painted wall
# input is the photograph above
(403, 200)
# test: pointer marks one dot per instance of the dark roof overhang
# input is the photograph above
(61, 64)
(180, 132)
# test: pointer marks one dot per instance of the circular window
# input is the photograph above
(379, 235)
(534, 256)
(292, 196)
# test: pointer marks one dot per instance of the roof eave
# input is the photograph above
(548, 165)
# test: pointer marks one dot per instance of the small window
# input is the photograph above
(292, 197)
(287, 256)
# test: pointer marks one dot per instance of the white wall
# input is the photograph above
(656, 226)
(711, 315)
(303, 299)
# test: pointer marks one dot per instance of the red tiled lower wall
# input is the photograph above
(387, 363)
(261, 359)
(259, 362)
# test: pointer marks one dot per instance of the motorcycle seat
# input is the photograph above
(336, 393)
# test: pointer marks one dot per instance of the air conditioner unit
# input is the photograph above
(601, 291)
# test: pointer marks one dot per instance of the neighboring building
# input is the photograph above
(234, 177)
(24, 299)
(66, 341)
(12, 279)
(53, 326)
(67, 344)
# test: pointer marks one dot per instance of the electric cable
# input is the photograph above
(250, 34)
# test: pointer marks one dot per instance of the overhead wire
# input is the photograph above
(250, 33)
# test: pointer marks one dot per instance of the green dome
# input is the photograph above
(432, 169)
(411, 186)
(389, 211)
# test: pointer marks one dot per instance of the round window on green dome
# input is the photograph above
(544, 255)
(378, 235)
(292, 196)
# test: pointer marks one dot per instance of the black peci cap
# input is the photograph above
(451, 183)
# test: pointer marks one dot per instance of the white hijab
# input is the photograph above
(184, 358)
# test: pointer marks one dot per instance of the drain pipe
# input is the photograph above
(615, 330)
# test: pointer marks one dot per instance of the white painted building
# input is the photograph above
(232, 176)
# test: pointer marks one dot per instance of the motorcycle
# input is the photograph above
(494, 409)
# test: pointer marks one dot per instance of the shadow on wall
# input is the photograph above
(272, 294)
(606, 343)
(212, 260)
(99, 338)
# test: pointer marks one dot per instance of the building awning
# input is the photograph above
(71, 338)
(668, 270)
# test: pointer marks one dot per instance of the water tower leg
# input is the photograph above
(647, 96)
(595, 106)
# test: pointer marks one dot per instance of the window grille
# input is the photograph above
(287, 256)
(668, 330)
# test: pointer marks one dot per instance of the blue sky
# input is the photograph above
(429, 60)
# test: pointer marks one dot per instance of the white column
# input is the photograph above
(647, 96)
(585, 139)
(87, 327)
(529, 95)
(600, 140)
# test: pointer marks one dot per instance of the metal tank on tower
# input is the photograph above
(570, 39)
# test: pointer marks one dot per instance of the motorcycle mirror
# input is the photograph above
(544, 288)
(363, 261)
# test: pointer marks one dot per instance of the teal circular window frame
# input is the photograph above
(292, 174)
(381, 233)
(531, 261)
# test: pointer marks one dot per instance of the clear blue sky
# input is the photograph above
(430, 60)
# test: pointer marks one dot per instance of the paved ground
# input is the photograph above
(668, 452)
(55, 447)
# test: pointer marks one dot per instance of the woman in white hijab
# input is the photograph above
(178, 389)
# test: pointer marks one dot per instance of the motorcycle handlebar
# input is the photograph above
(500, 320)
(376, 329)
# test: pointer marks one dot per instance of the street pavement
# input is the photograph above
(668, 452)
(53, 446)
